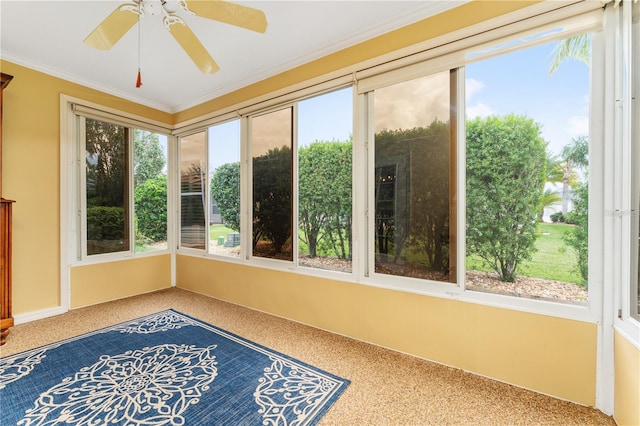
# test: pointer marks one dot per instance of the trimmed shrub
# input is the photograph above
(151, 209)
(506, 173)
(105, 223)
(557, 217)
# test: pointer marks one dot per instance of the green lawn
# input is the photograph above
(553, 259)
(216, 231)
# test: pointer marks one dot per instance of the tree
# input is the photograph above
(148, 158)
(272, 204)
(106, 159)
(575, 156)
(577, 47)
(578, 236)
(577, 153)
(554, 175)
(549, 197)
(225, 190)
(506, 172)
(324, 199)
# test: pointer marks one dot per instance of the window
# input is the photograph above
(106, 187)
(414, 178)
(325, 175)
(635, 185)
(150, 190)
(527, 172)
(271, 139)
(123, 187)
(300, 184)
(192, 191)
(224, 171)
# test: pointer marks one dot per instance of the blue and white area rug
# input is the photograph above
(162, 369)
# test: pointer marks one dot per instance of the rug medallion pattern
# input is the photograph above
(163, 369)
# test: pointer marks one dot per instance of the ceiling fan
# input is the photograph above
(125, 16)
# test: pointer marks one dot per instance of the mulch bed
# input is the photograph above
(526, 287)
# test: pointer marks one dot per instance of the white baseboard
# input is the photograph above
(38, 315)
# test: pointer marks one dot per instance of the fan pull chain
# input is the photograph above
(139, 79)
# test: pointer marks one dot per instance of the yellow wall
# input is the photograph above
(30, 175)
(547, 354)
(627, 382)
(550, 355)
(91, 284)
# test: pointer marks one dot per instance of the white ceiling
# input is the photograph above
(48, 36)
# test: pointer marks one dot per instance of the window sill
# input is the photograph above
(629, 328)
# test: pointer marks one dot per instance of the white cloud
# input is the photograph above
(578, 125)
(472, 86)
(479, 110)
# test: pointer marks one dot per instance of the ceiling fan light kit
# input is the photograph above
(126, 15)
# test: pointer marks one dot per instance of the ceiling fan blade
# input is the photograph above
(230, 13)
(190, 44)
(114, 26)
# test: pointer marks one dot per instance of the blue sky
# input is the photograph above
(517, 83)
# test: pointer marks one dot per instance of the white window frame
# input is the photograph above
(74, 112)
(627, 46)
(457, 59)
(402, 65)
(248, 238)
(240, 122)
(635, 187)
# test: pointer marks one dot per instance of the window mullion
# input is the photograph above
(129, 176)
(370, 179)
(206, 194)
(81, 213)
(294, 185)
(460, 182)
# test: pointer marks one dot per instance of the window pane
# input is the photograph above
(271, 150)
(224, 167)
(192, 191)
(527, 150)
(107, 186)
(325, 126)
(414, 178)
(150, 193)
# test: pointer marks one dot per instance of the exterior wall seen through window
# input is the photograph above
(414, 176)
(192, 191)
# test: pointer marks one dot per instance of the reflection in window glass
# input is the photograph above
(192, 191)
(324, 181)
(414, 178)
(107, 177)
(272, 163)
(150, 190)
(224, 169)
(527, 153)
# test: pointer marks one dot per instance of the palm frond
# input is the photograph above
(577, 47)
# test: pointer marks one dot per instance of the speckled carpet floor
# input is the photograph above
(387, 388)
